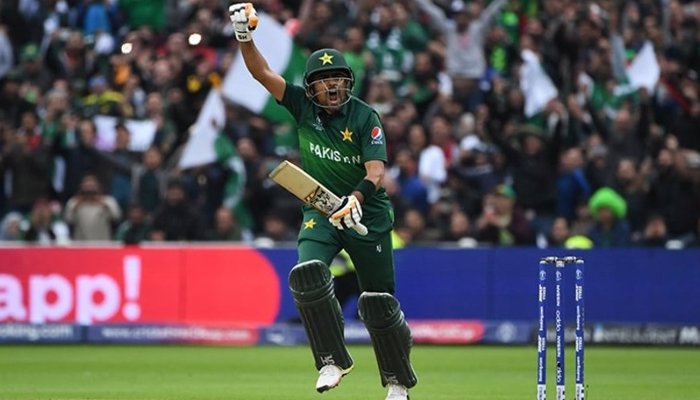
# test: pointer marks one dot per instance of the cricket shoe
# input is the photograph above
(397, 392)
(329, 376)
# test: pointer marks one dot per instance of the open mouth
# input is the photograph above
(333, 95)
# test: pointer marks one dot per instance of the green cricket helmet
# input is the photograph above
(327, 60)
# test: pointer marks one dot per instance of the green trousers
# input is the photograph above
(372, 254)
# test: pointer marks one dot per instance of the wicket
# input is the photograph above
(559, 320)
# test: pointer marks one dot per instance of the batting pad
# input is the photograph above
(311, 285)
(391, 337)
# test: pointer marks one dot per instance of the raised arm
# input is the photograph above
(438, 20)
(245, 20)
(487, 15)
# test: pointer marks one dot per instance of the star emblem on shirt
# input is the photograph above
(326, 58)
(347, 135)
(309, 224)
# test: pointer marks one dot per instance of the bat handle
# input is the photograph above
(361, 229)
(252, 18)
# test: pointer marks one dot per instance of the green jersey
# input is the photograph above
(335, 147)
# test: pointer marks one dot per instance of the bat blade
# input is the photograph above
(305, 187)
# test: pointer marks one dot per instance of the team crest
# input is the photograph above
(318, 125)
(377, 135)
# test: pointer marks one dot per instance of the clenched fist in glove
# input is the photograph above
(348, 215)
(244, 19)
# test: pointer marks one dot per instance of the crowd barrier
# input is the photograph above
(239, 294)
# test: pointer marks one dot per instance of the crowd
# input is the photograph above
(509, 122)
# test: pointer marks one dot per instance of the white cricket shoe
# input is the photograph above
(329, 376)
(397, 392)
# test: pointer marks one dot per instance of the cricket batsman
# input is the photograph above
(342, 145)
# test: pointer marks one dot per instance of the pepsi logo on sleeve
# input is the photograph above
(377, 135)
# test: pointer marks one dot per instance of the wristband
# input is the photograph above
(367, 188)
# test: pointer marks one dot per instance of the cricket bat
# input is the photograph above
(309, 190)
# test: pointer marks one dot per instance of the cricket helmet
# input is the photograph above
(324, 60)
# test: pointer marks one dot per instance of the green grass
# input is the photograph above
(287, 373)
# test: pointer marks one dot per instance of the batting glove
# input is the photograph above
(348, 214)
(244, 19)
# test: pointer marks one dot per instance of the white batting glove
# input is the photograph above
(348, 214)
(244, 19)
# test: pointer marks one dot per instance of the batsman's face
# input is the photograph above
(330, 89)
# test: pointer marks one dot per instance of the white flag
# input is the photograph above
(644, 71)
(141, 132)
(535, 84)
(199, 149)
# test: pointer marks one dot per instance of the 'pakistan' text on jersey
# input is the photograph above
(335, 147)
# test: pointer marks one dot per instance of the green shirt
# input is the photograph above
(145, 13)
(335, 147)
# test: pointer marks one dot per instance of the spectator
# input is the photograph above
(134, 229)
(123, 161)
(276, 230)
(102, 100)
(82, 156)
(477, 169)
(611, 228)
(655, 232)
(358, 57)
(319, 23)
(465, 37)
(502, 223)
(12, 101)
(560, 233)
(381, 95)
(414, 228)
(694, 241)
(91, 214)
(45, 227)
(166, 136)
(630, 184)
(675, 191)
(32, 69)
(392, 60)
(6, 52)
(437, 157)
(26, 159)
(226, 229)
(148, 13)
(148, 182)
(95, 17)
(68, 57)
(234, 176)
(417, 139)
(599, 169)
(533, 166)
(584, 220)
(411, 189)
(572, 185)
(176, 219)
(395, 132)
(421, 84)
(460, 230)
(11, 227)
